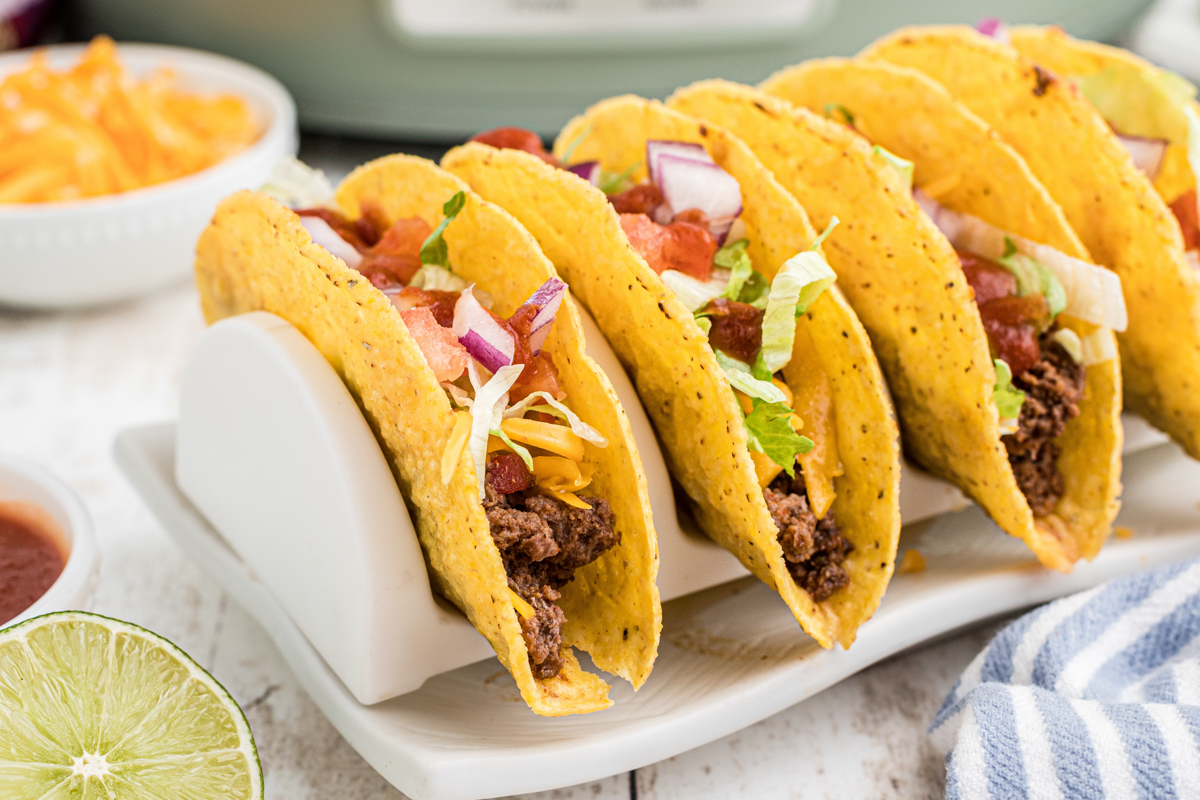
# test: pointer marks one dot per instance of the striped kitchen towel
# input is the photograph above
(1096, 695)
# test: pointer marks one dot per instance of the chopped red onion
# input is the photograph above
(485, 339)
(656, 148)
(1147, 154)
(588, 170)
(995, 28)
(686, 184)
(547, 300)
(327, 237)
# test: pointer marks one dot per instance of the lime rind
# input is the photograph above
(133, 718)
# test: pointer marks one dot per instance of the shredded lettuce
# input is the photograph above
(755, 291)
(740, 377)
(901, 165)
(615, 183)
(516, 448)
(487, 412)
(1141, 102)
(798, 283)
(560, 410)
(705, 324)
(297, 185)
(439, 279)
(1033, 277)
(1009, 398)
(734, 258)
(769, 431)
(692, 293)
(433, 250)
(1069, 340)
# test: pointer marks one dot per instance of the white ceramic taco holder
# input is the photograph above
(274, 482)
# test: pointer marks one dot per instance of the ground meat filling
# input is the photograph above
(813, 548)
(542, 542)
(1053, 387)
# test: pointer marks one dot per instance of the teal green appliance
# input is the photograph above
(439, 70)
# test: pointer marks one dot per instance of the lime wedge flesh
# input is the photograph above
(97, 709)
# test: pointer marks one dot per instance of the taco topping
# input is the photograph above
(812, 548)
(1039, 383)
(511, 138)
(685, 223)
(1021, 288)
(542, 541)
(1185, 209)
(527, 444)
(1052, 390)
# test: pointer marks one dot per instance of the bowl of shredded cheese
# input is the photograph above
(113, 158)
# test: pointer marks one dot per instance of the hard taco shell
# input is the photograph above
(255, 255)
(667, 355)
(907, 285)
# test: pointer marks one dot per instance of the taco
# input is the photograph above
(1152, 111)
(997, 389)
(465, 353)
(1120, 218)
(708, 281)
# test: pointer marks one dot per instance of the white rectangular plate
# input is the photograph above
(730, 656)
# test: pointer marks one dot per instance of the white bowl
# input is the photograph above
(102, 249)
(23, 480)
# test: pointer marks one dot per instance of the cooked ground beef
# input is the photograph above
(1053, 388)
(813, 548)
(736, 328)
(542, 542)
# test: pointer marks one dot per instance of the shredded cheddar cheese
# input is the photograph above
(95, 129)
(454, 447)
(523, 608)
(557, 439)
(570, 498)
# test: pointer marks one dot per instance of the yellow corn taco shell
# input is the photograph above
(1072, 58)
(906, 283)
(1119, 217)
(255, 255)
(666, 353)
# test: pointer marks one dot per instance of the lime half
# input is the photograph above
(97, 709)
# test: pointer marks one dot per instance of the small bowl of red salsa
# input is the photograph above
(48, 557)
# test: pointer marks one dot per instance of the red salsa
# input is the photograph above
(31, 558)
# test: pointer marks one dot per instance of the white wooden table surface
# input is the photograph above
(70, 381)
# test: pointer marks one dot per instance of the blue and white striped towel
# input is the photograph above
(1093, 696)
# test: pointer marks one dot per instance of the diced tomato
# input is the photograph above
(690, 249)
(440, 303)
(641, 199)
(1184, 209)
(507, 473)
(692, 215)
(989, 279)
(680, 246)
(512, 138)
(539, 375)
(359, 233)
(445, 356)
(404, 238)
(736, 328)
(647, 237)
(1012, 325)
(396, 257)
